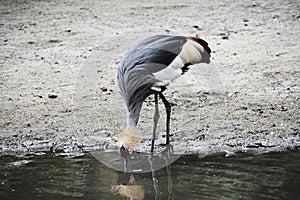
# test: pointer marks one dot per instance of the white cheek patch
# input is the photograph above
(191, 52)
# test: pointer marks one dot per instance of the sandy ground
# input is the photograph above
(58, 74)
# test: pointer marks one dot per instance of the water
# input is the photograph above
(244, 176)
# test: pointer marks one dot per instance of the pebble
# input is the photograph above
(224, 36)
(103, 89)
(283, 108)
(52, 96)
(54, 41)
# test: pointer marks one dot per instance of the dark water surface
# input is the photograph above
(244, 176)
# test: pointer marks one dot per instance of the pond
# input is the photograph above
(241, 176)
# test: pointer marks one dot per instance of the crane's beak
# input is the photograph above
(206, 58)
(125, 153)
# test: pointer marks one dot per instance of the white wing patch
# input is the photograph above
(190, 53)
(170, 73)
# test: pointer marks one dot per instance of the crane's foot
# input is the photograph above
(166, 145)
(167, 151)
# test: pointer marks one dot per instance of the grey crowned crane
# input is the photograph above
(148, 69)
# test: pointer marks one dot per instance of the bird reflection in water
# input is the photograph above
(134, 191)
(131, 190)
(165, 154)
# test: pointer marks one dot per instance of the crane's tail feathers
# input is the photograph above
(130, 138)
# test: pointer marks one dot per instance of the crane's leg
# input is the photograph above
(168, 111)
(155, 120)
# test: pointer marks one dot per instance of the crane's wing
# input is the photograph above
(154, 63)
(159, 49)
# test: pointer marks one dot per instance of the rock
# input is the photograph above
(55, 41)
(283, 108)
(52, 96)
(224, 36)
(229, 154)
(103, 89)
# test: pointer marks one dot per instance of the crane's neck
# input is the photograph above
(133, 114)
(131, 121)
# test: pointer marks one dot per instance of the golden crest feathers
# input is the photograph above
(130, 137)
(130, 191)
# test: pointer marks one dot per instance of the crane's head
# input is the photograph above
(129, 138)
(202, 42)
(202, 46)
